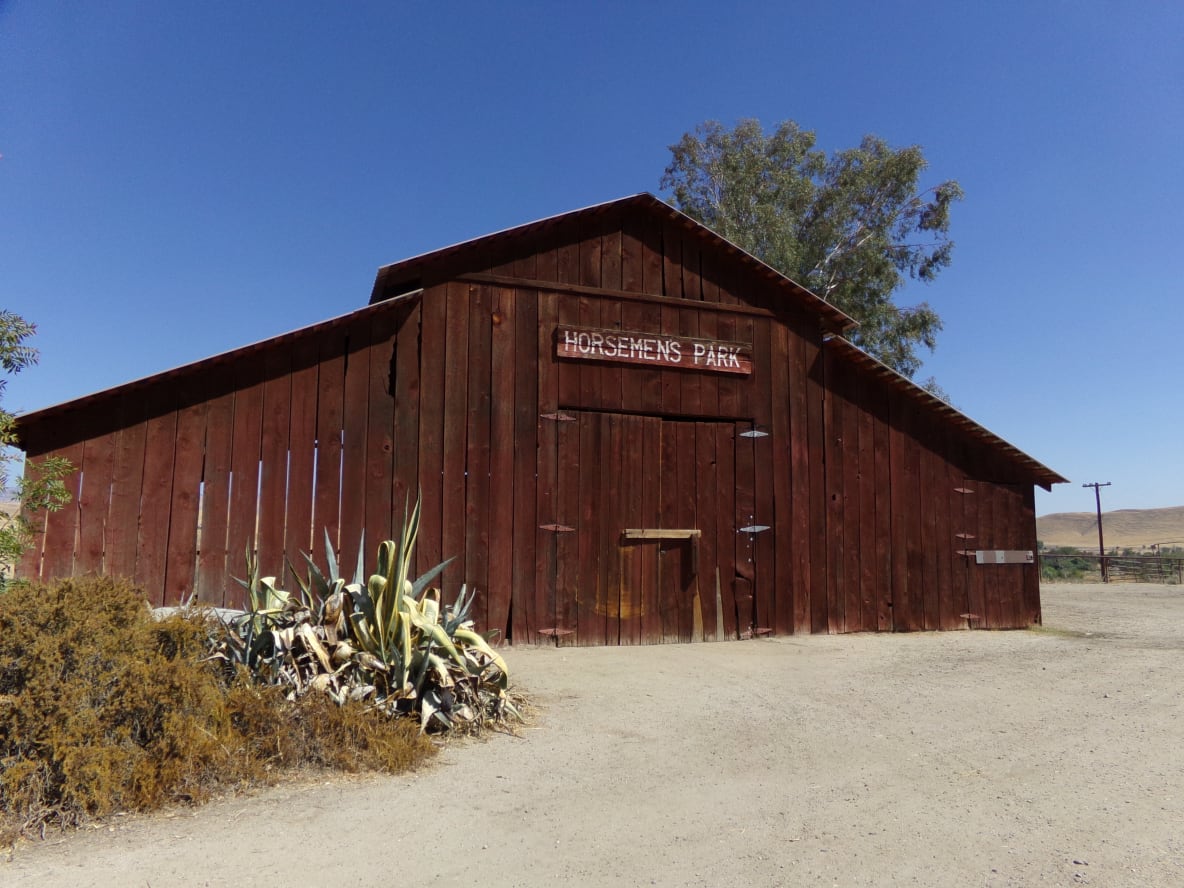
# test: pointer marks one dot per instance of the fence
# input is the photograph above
(1112, 568)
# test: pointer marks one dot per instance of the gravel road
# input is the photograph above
(1046, 757)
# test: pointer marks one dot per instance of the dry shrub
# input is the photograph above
(104, 709)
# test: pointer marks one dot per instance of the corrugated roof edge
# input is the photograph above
(1042, 474)
(836, 320)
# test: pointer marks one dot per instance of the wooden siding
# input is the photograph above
(457, 393)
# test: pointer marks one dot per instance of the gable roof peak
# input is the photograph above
(469, 256)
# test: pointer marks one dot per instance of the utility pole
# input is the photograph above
(1097, 486)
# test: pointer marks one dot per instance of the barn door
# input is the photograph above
(1002, 590)
(648, 544)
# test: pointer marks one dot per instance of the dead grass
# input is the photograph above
(104, 709)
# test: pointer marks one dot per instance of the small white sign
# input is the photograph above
(1004, 556)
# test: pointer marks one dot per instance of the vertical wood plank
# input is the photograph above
(728, 387)
(412, 480)
(502, 512)
(213, 578)
(94, 502)
(727, 537)
(456, 397)
(1031, 573)
(610, 255)
(246, 437)
(852, 513)
(799, 461)
(670, 381)
(355, 421)
(526, 463)
(477, 513)
(970, 520)
(380, 430)
(948, 607)
(127, 479)
(987, 539)
(273, 483)
(544, 614)
(181, 557)
(886, 532)
(672, 271)
(691, 382)
(669, 574)
(152, 543)
(692, 287)
(833, 412)
(745, 511)
(433, 359)
(914, 556)
(815, 388)
(299, 534)
(330, 418)
(589, 623)
(633, 604)
(612, 495)
(869, 576)
(567, 507)
(708, 394)
(61, 527)
(764, 449)
(707, 519)
(690, 616)
(653, 486)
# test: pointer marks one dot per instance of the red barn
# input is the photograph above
(625, 430)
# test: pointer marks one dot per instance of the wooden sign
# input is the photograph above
(629, 347)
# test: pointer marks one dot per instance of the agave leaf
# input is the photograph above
(421, 582)
(314, 644)
(475, 641)
(362, 634)
(429, 605)
(368, 661)
(433, 630)
(316, 579)
(330, 557)
(360, 567)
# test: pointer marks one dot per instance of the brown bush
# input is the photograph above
(104, 709)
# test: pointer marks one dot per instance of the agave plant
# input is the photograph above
(389, 640)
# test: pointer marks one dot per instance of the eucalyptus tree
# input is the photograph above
(852, 227)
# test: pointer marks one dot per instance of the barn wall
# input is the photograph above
(234, 450)
(458, 394)
(897, 475)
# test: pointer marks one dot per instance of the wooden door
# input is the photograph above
(648, 545)
(1000, 517)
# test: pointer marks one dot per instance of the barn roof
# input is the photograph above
(1040, 473)
(472, 255)
(402, 279)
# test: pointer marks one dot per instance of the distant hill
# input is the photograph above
(1123, 527)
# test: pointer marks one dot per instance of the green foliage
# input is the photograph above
(850, 227)
(1073, 567)
(42, 488)
(104, 709)
(388, 642)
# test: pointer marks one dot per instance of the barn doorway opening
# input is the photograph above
(650, 550)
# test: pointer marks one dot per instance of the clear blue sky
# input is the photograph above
(181, 179)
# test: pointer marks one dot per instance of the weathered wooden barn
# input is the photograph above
(625, 430)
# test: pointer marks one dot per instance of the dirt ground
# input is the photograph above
(1049, 757)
